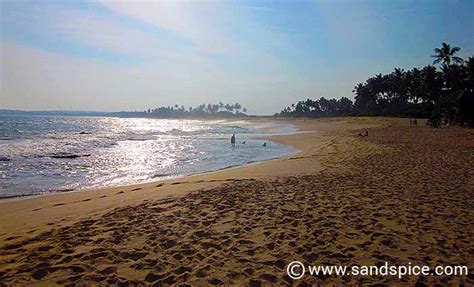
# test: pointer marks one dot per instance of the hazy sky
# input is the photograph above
(124, 55)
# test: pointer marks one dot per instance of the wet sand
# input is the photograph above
(403, 194)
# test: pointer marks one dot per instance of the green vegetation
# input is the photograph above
(176, 111)
(443, 93)
(320, 108)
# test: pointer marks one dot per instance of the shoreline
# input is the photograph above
(14, 198)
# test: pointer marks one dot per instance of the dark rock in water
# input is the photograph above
(65, 156)
(4, 158)
(160, 175)
(69, 155)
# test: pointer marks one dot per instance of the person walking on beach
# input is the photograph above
(232, 140)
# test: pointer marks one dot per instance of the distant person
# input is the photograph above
(264, 144)
(232, 140)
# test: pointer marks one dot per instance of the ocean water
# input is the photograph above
(41, 154)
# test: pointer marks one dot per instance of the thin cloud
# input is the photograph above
(202, 22)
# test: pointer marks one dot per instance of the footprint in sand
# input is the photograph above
(11, 238)
(179, 182)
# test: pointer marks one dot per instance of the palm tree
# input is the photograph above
(237, 107)
(445, 54)
(229, 108)
(432, 84)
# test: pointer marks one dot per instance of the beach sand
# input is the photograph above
(402, 195)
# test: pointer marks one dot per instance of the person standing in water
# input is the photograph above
(232, 140)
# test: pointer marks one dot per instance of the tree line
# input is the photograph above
(319, 108)
(442, 92)
(215, 110)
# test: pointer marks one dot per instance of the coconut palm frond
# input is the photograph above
(458, 60)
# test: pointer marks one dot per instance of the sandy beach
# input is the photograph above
(403, 194)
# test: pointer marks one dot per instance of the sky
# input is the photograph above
(134, 55)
